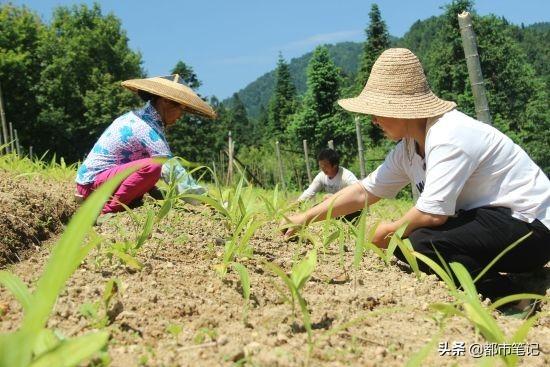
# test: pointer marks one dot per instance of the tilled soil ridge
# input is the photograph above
(32, 209)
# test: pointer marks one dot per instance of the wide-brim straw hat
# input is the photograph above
(397, 87)
(171, 87)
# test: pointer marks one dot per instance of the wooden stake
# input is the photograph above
(12, 139)
(30, 152)
(17, 146)
(281, 168)
(4, 125)
(222, 167)
(230, 163)
(469, 44)
(360, 146)
(306, 155)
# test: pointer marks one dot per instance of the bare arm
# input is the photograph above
(348, 200)
(313, 188)
(415, 219)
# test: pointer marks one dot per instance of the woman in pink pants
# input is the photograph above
(137, 139)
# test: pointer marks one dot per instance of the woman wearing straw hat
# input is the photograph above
(476, 191)
(137, 138)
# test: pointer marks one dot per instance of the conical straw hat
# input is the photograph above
(397, 88)
(171, 87)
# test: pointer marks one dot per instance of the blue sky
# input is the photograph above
(230, 43)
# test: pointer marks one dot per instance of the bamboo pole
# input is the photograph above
(230, 163)
(280, 164)
(306, 156)
(360, 147)
(331, 144)
(469, 44)
(4, 124)
(17, 146)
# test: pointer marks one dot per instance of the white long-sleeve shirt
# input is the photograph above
(322, 182)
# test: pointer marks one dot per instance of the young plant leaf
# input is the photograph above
(17, 288)
(245, 279)
(71, 352)
(303, 270)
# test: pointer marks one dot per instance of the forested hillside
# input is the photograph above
(534, 40)
(258, 93)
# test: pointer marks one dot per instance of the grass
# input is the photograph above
(25, 166)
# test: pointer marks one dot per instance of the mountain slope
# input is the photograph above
(258, 93)
(534, 39)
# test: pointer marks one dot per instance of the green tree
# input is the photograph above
(20, 31)
(283, 101)
(84, 56)
(378, 40)
(319, 119)
(187, 74)
(516, 95)
(242, 128)
(192, 137)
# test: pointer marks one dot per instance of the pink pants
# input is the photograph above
(133, 187)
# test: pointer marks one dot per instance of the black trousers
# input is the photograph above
(475, 237)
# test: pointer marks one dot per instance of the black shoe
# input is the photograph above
(136, 203)
(156, 193)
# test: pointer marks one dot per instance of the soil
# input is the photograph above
(32, 209)
(177, 311)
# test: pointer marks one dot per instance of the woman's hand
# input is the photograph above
(290, 224)
(383, 234)
(327, 196)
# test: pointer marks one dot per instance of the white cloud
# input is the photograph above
(292, 47)
(322, 38)
(243, 60)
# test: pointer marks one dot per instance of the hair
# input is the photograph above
(146, 96)
(329, 155)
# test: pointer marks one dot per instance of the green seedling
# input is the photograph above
(245, 284)
(32, 342)
(230, 204)
(417, 360)
(171, 195)
(126, 253)
(468, 305)
(481, 317)
(363, 241)
(203, 333)
(406, 249)
(98, 312)
(275, 206)
(174, 330)
(143, 228)
(238, 245)
(299, 276)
